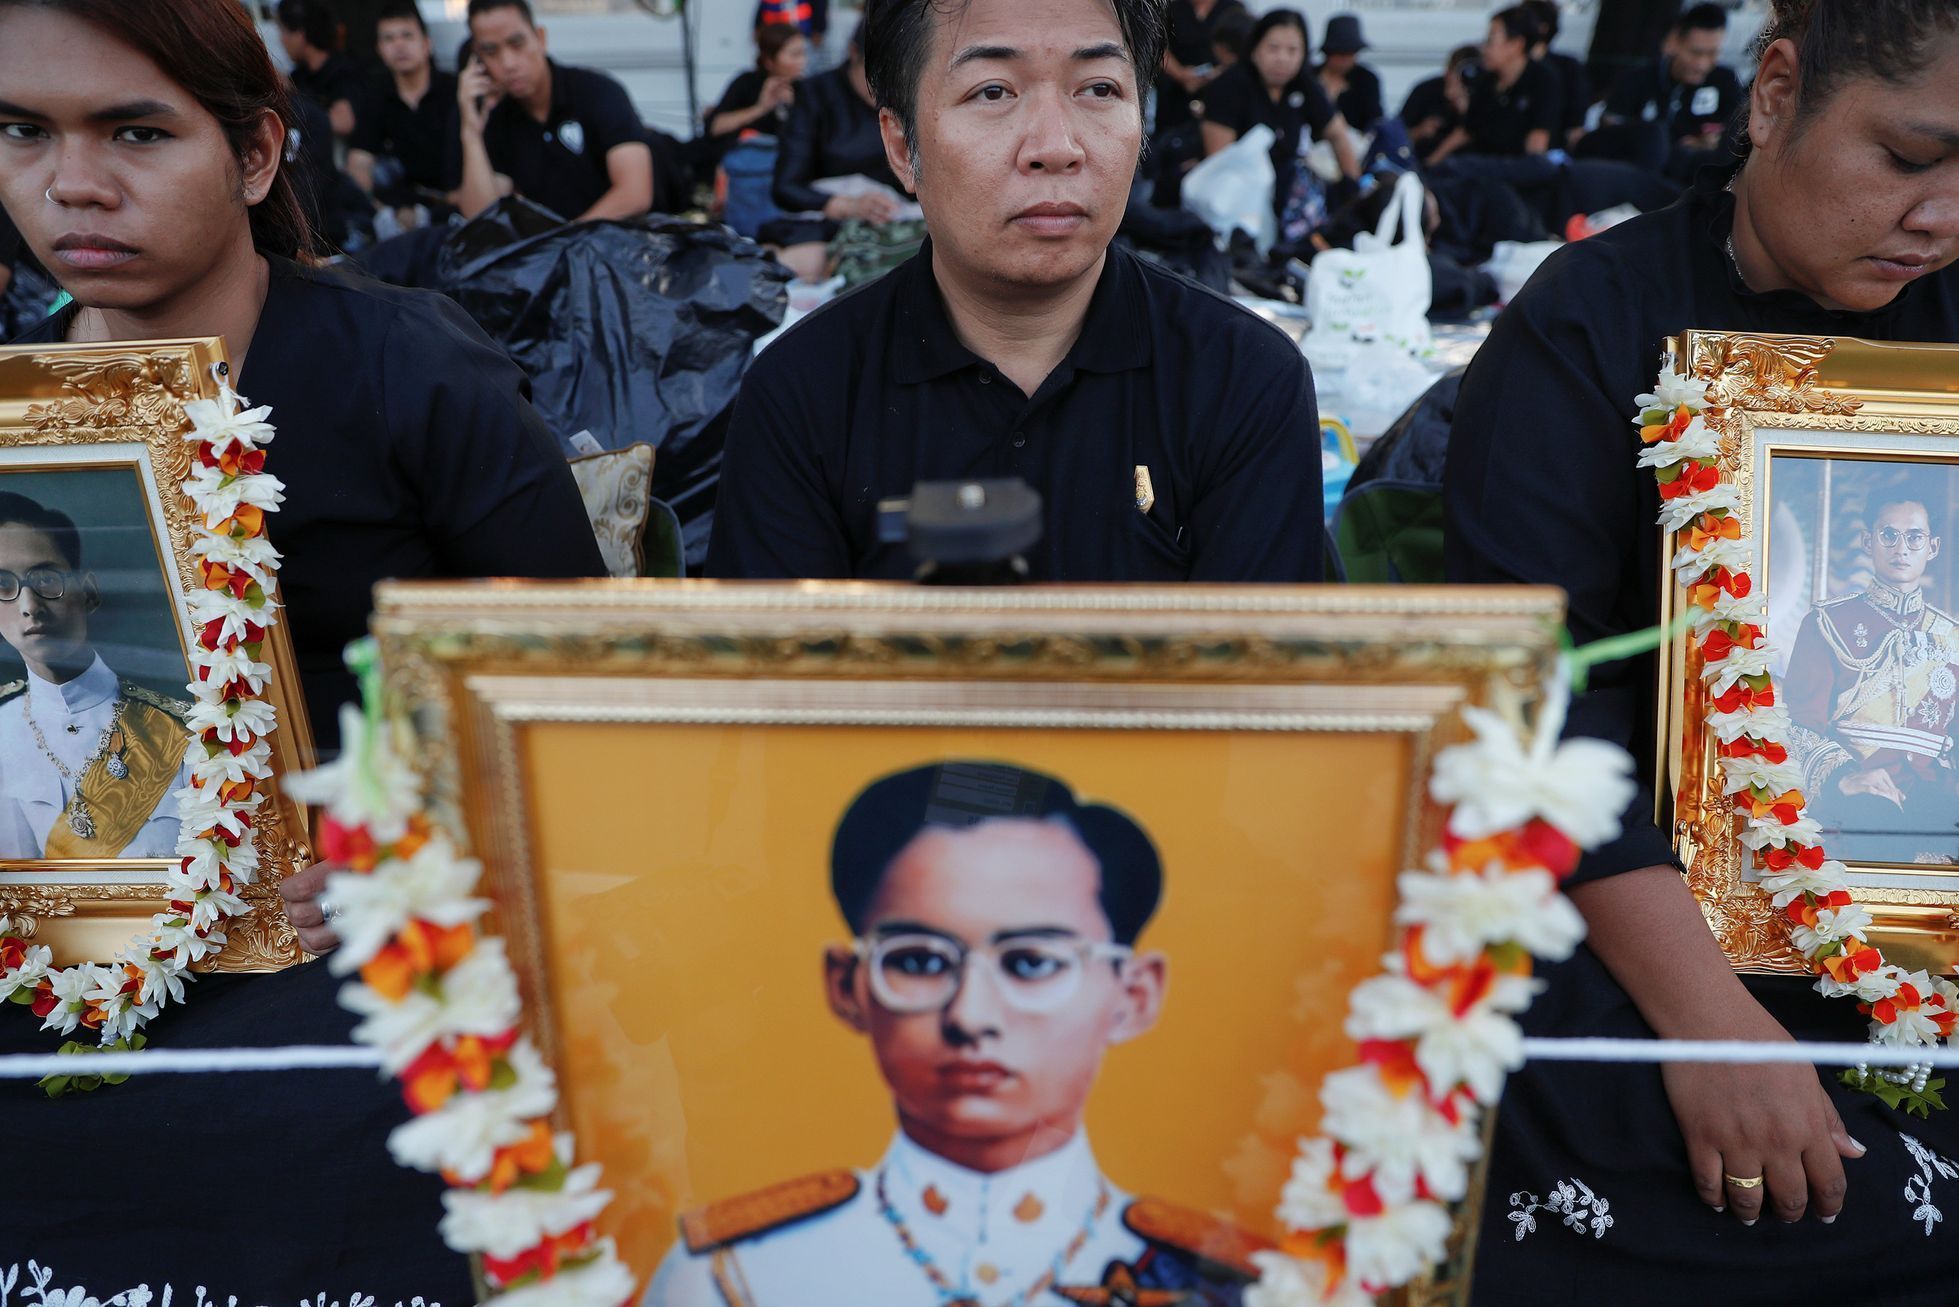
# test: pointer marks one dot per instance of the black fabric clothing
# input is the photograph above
(408, 449)
(328, 1216)
(1190, 40)
(1361, 104)
(1500, 121)
(418, 136)
(560, 162)
(744, 92)
(1429, 100)
(337, 78)
(1238, 99)
(832, 132)
(1542, 487)
(1574, 93)
(874, 393)
(1553, 388)
(1650, 95)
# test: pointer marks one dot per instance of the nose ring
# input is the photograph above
(49, 192)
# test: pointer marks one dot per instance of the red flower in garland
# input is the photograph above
(544, 1260)
(1694, 479)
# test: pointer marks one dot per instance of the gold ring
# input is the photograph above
(1740, 1183)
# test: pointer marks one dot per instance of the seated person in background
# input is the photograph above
(832, 132)
(1516, 105)
(1435, 108)
(1189, 62)
(89, 763)
(406, 127)
(1353, 87)
(809, 17)
(1272, 89)
(759, 99)
(566, 138)
(1872, 688)
(1574, 83)
(309, 32)
(1231, 39)
(992, 965)
(1670, 115)
(1171, 434)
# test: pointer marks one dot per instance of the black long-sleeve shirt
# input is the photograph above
(1542, 485)
(408, 448)
(832, 132)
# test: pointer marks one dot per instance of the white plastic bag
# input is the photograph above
(1232, 190)
(1381, 289)
(1512, 263)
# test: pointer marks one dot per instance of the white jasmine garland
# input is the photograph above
(505, 1224)
(29, 973)
(477, 996)
(1395, 1138)
(462, 1135)
(1721, 676)
(1676, 390)
(435, 886)
(368, 785)
(1463, 914)
(1769, 725)
(1728, 608)
(1288, 1282)
(1498, 783)
(1307, 1202)
(1697, 442)
(602, 1282)
(1396, 1246)
(1761, 833)
(1678, 513)
(1788, 886)
(1690, 566)
(1739, 774)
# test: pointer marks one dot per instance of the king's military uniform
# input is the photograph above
(89, 768)
(919, 1231)
(1873, 684)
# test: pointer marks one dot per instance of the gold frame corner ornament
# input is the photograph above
(72, 401)
(1826, 397)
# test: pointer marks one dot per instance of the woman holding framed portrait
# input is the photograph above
(1842, 219)
(142, 157)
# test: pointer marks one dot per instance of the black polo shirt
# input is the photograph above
(1238, 100)
(418, 136)
(875, 393)
(1650, 95)
(337, 78)
(560, 162)
(1500, 121)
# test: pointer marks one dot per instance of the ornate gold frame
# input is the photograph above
(469, 665)
(65, 398)
(1785, 395)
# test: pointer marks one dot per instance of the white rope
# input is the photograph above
(1734, 1051)
(32, 1066)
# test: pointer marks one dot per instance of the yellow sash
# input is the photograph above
(152, 743)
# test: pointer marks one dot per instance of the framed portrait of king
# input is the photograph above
(927, 945)
(95, 566)
(1845, 457)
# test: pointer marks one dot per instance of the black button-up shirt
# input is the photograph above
(875, 393)
(560, 162)
(417, 135)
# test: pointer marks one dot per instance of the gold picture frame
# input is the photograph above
(575, 735)
(112, 416)
(1812, 431)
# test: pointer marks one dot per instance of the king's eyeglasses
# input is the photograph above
(914, 973)
(47, 582)
(1915, 540)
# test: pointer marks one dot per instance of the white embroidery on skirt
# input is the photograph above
(40, 1290)
(1918, 1189)
(1572, 1199)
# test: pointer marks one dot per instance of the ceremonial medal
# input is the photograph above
(81, 820)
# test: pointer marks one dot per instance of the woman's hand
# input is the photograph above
(1874, 781)
(301, 891)
(1775, 1123)
(778, 93)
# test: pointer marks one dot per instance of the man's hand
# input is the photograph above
(1772, 1122)
(476, 94)
(1876, 781)
(301, 891)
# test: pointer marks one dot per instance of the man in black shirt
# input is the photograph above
(1171, 435)
(1671, 114)
(408, 119)
(1574, 83)
(566, 138)
(1516, 107)
(1435, 108)
(310, 36)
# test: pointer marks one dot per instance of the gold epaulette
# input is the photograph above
(12, 690)
(743, 1217)
(176, 708)
(1196, 1233)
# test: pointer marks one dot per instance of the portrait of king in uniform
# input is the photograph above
(1872, 685)
(89, 762)
(995, 960)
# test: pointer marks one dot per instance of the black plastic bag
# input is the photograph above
(636, 330)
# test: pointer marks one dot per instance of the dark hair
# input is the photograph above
(1708, 17)
(896, 34)
(1549, 23)
(892, 812)
(1519, 24)
(1837, 40)
(1462, 54)
(1233, 33)
(1271, 21)
(771, 39)
(490, 6)
(19, 510)
(313, 19)
(212, 50)
(396, 10)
